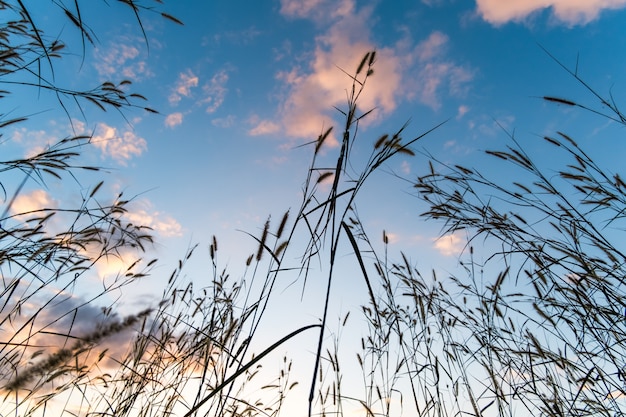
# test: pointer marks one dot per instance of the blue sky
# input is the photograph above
(242, 84)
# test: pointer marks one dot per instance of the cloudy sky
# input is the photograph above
(242, 84)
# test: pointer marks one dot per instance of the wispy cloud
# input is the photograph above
(578, 12)
(173, 119)
(434, 73)
(186, 81)
(238, 37)
(224, 122)
(121, 146)
(122, 57)
(316, 9)
(215, 91)
(35, 141)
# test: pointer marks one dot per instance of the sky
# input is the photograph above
(241, 85)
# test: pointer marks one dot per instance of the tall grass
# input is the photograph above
(536, 329)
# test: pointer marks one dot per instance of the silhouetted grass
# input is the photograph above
(537, 329)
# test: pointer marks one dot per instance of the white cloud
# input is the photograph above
(173, 119)
(161, 223)
(571, 12)
(31, 202)
(451, 244)
(119, 146)
(215, 91)
(186, 80)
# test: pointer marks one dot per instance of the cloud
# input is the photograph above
(224, 122)
(121, 58)
(263, 127)
(145, 215)
(35, 141)
(121, 147)
(402, 71)
(571, 12)
(30, 202)
(186, 80)
(173, 119)
(313, 90)
(405, 167)
(431, 46)
(237, 37)
(60, 324)
(316, 9)
(451, 244)
(463, 109)
(215, 91)
(392, 238)
(433, 71)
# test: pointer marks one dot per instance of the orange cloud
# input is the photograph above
(571, 12)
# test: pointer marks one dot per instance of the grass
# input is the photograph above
(536, 329)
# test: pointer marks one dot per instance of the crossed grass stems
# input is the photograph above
(463, 345)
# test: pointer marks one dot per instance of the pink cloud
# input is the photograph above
(263, 127)
(571, 12)
(314, 90)
(462, 111)
(402, 71)
(173, 119)
(215, 91)
(186, 80)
